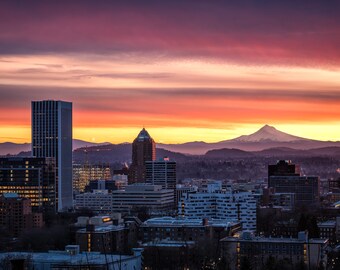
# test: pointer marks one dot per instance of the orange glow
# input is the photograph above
(177, 100)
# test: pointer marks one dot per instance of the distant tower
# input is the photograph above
(143, 149)
(52, 137)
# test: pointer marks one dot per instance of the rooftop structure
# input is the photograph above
(259, 249)
(71, 258)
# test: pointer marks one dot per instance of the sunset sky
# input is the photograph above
(185, 70)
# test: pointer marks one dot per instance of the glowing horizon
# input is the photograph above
(187, 72)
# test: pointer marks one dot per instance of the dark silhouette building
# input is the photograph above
(143, 149)
(285, 177)
(284, 168)
(32, 178)
(16, 215)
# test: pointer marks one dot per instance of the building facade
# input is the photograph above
(32, 178)
(257, 251)
(16, 215)
(161, 172)
(284, 168)
(221, 205)
(98, 201)
(186, 229)
(83, 174)
(305, 188)
(52, 137)
(143, 149)
(150, 197)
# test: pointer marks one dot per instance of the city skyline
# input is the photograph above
(193, 71)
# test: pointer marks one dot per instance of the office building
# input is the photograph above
(306, 188)
(16, 215)
(285, 177)
(32, 178)
(98, 201)
(143, 149)
(257, 250)
(52, 137)
(284, 168)
(220, 205)
(272, 199)
(161, 172)
(137, 196)
(181, 190)
(328, 230)
(83, 174)
(186, 229)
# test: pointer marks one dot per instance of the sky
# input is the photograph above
(184, 70)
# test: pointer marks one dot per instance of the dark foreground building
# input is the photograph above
(32, 178)
(143, 149)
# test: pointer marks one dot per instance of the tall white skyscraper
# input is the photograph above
(52, 137)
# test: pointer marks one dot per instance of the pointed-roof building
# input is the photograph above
(143, 149)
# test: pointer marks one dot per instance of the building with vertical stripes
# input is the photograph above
(52, 137)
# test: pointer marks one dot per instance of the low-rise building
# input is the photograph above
(150, 197)
(106, 233)
(328, 230)
(257, 250)
(221, 205)
(166, 254)
(98, 201)
(186, 229)
(16, 215)
(70, 259)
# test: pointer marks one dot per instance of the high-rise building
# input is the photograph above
(284, 168)
(306, 188)
(52, 137)
(161, 172)
(285, 177)
(143, 149)
(31, 178)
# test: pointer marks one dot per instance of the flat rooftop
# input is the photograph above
(170, 221)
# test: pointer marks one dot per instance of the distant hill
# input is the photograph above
(282, 153)
(226, 153)
(116, 153)
(15, 148)
(265, 138)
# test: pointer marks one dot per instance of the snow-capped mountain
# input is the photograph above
(268, 133)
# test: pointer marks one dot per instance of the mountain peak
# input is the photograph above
(268, 133)
(267, 127)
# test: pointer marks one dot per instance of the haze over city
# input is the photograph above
(188, 71)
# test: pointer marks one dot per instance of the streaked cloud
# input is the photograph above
(175, 65)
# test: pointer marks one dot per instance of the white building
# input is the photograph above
(221, 205)
(152, 197)
(181, 190)
(99, 201)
